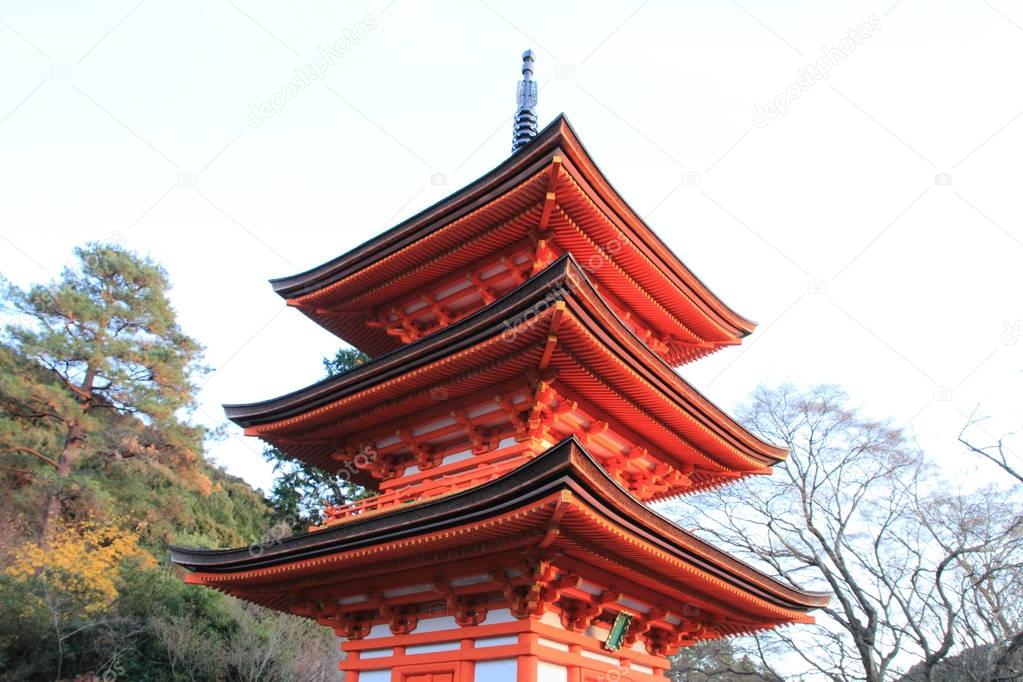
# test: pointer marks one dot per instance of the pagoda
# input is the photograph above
(520, 412)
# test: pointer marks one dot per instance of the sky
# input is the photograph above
(846, 174)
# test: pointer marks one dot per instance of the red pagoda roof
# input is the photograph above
(519, 409)
(515, 511)
(548, 199)
(557, 326)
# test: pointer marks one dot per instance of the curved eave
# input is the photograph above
(687, 280)
(558, 136)
(564, 467)
(562, 280)
(397, 361)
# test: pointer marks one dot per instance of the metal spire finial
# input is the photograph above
(525, 117)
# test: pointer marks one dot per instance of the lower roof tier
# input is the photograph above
(547, 360)
(544, 534)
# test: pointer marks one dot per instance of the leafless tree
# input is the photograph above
(997, 452)
(857, 511)
(265, 646)
(992, 594)
(192, 653)
(718, 661)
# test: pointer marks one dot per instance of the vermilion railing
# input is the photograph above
(417, 492)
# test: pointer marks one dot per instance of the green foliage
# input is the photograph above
(160, 629)
(344, 360)
(301, 491)
(107, 333)
(96, 385)
(87, 361)
(32, 407)
(23, 629)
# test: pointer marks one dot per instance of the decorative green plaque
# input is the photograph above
(619, 629)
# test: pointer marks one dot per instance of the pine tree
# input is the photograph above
(100, 342)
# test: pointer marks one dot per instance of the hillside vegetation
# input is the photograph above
(101, 468)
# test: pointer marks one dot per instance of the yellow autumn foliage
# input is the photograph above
(83, 561)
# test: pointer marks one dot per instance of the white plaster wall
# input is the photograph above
(560, 646)
(499, 616)
(379, 630)
(432, 648)
(551, 672)
(504, 640)
(501, 670)
(552, 619)
(436, 624)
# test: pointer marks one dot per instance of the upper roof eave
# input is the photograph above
(313, 279)
(558, 137)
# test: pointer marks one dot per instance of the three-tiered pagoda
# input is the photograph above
(520, 412)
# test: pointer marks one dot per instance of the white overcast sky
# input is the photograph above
(875, 230)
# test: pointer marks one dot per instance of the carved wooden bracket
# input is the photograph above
(576, 614)
(402, 620)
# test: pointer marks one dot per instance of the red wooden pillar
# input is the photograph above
(527, 662)
(575, 673)
(467, 669)
(351, 675)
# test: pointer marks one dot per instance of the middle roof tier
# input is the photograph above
(549, 359)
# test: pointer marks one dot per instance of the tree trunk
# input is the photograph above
(52, 510)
